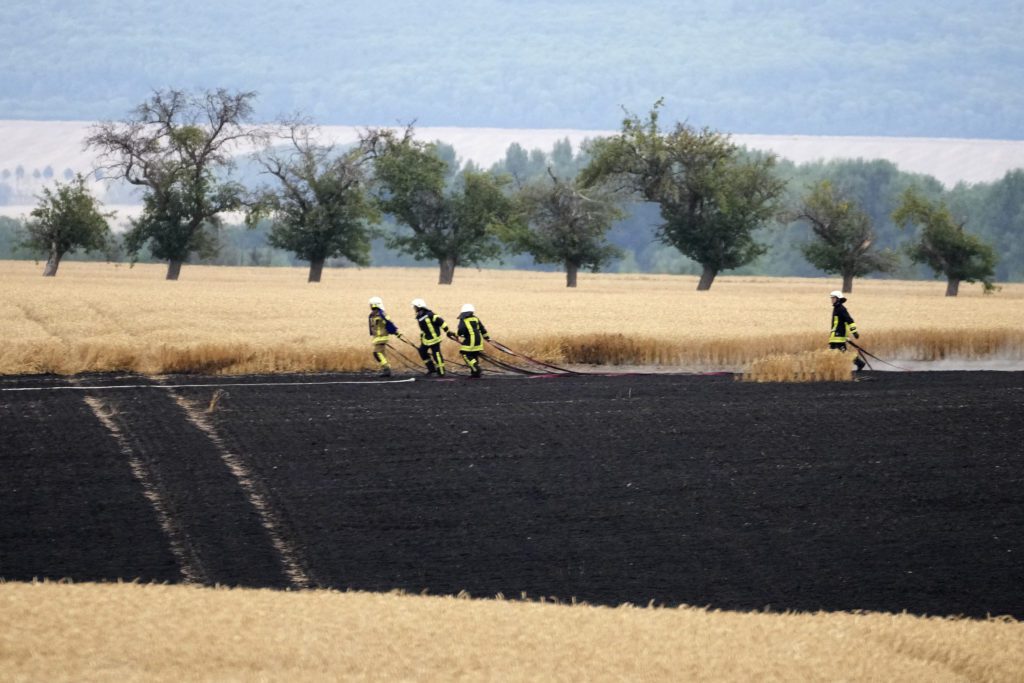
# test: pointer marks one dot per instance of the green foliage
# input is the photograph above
(565, 225)
(996, 213)
(178, 147)
(454, 224)
(711, 196)
(64, 220)
(844, 237)
(943, 244)
(168, 225)
(319, 208)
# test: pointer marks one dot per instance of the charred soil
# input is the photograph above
(905, 492)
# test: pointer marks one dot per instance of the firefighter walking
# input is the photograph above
(843, 327)
(381, 328)
(432, 326)
(471, 336)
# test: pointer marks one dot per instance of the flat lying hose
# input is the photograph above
(505, 349)
(508, 366)
(865, 352)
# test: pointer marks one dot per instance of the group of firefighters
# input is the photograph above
(471, 334)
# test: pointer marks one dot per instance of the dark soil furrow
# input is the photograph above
(901, 493)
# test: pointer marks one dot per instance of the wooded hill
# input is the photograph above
(921, 68)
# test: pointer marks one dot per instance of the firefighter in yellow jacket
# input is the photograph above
(471, 334)
(381, 328)
(843, 327)
(432, 326)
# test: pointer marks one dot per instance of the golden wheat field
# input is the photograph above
(111, 317)
(123, 632)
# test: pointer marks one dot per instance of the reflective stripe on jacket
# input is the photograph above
(842, 324)
(380, 326)
(472, 332)
(432, 326)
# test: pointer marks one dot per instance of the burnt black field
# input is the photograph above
(905, 492)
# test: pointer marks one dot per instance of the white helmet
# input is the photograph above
(468, 308)
(836, 293)
(376, 302)
(419, 303)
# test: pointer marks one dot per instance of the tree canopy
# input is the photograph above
(711, 197)
(565, 225)
(944, 245)
(66, 219)
(452, 216)
(844, 237)
(320, 207)
(177, 146)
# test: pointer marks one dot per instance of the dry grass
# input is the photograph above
(103, 317)
(810, 366)
(172, 633)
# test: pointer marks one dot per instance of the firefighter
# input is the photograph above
(471, 334)
(432, 326)
(843, 327)
(380, 329)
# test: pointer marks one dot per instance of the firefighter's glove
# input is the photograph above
(856, 335)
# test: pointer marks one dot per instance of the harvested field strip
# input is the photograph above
(92, 632)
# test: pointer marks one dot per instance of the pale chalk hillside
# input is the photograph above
(47, 151)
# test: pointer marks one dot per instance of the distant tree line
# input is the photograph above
(653, 198)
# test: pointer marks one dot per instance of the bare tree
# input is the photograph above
(180, 148)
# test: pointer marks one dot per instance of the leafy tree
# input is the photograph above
(943, 244)
(453, 222)
(996, 211)
(711, 197)
(178, 147)
(845, 237)
(320, 208)
(66, 219)
(564, 225)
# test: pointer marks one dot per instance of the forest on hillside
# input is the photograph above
(825, 67)
(992, 211)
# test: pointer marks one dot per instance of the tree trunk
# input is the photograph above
(952, 286)
(570, 274)
(316, 268)
(52, 263)
(706, 278)
(847, 283)
(447, 270)
(173, 269)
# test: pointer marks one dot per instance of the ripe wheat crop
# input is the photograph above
(121, 632)
(107, 317)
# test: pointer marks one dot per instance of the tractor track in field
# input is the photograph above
(902, 493)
